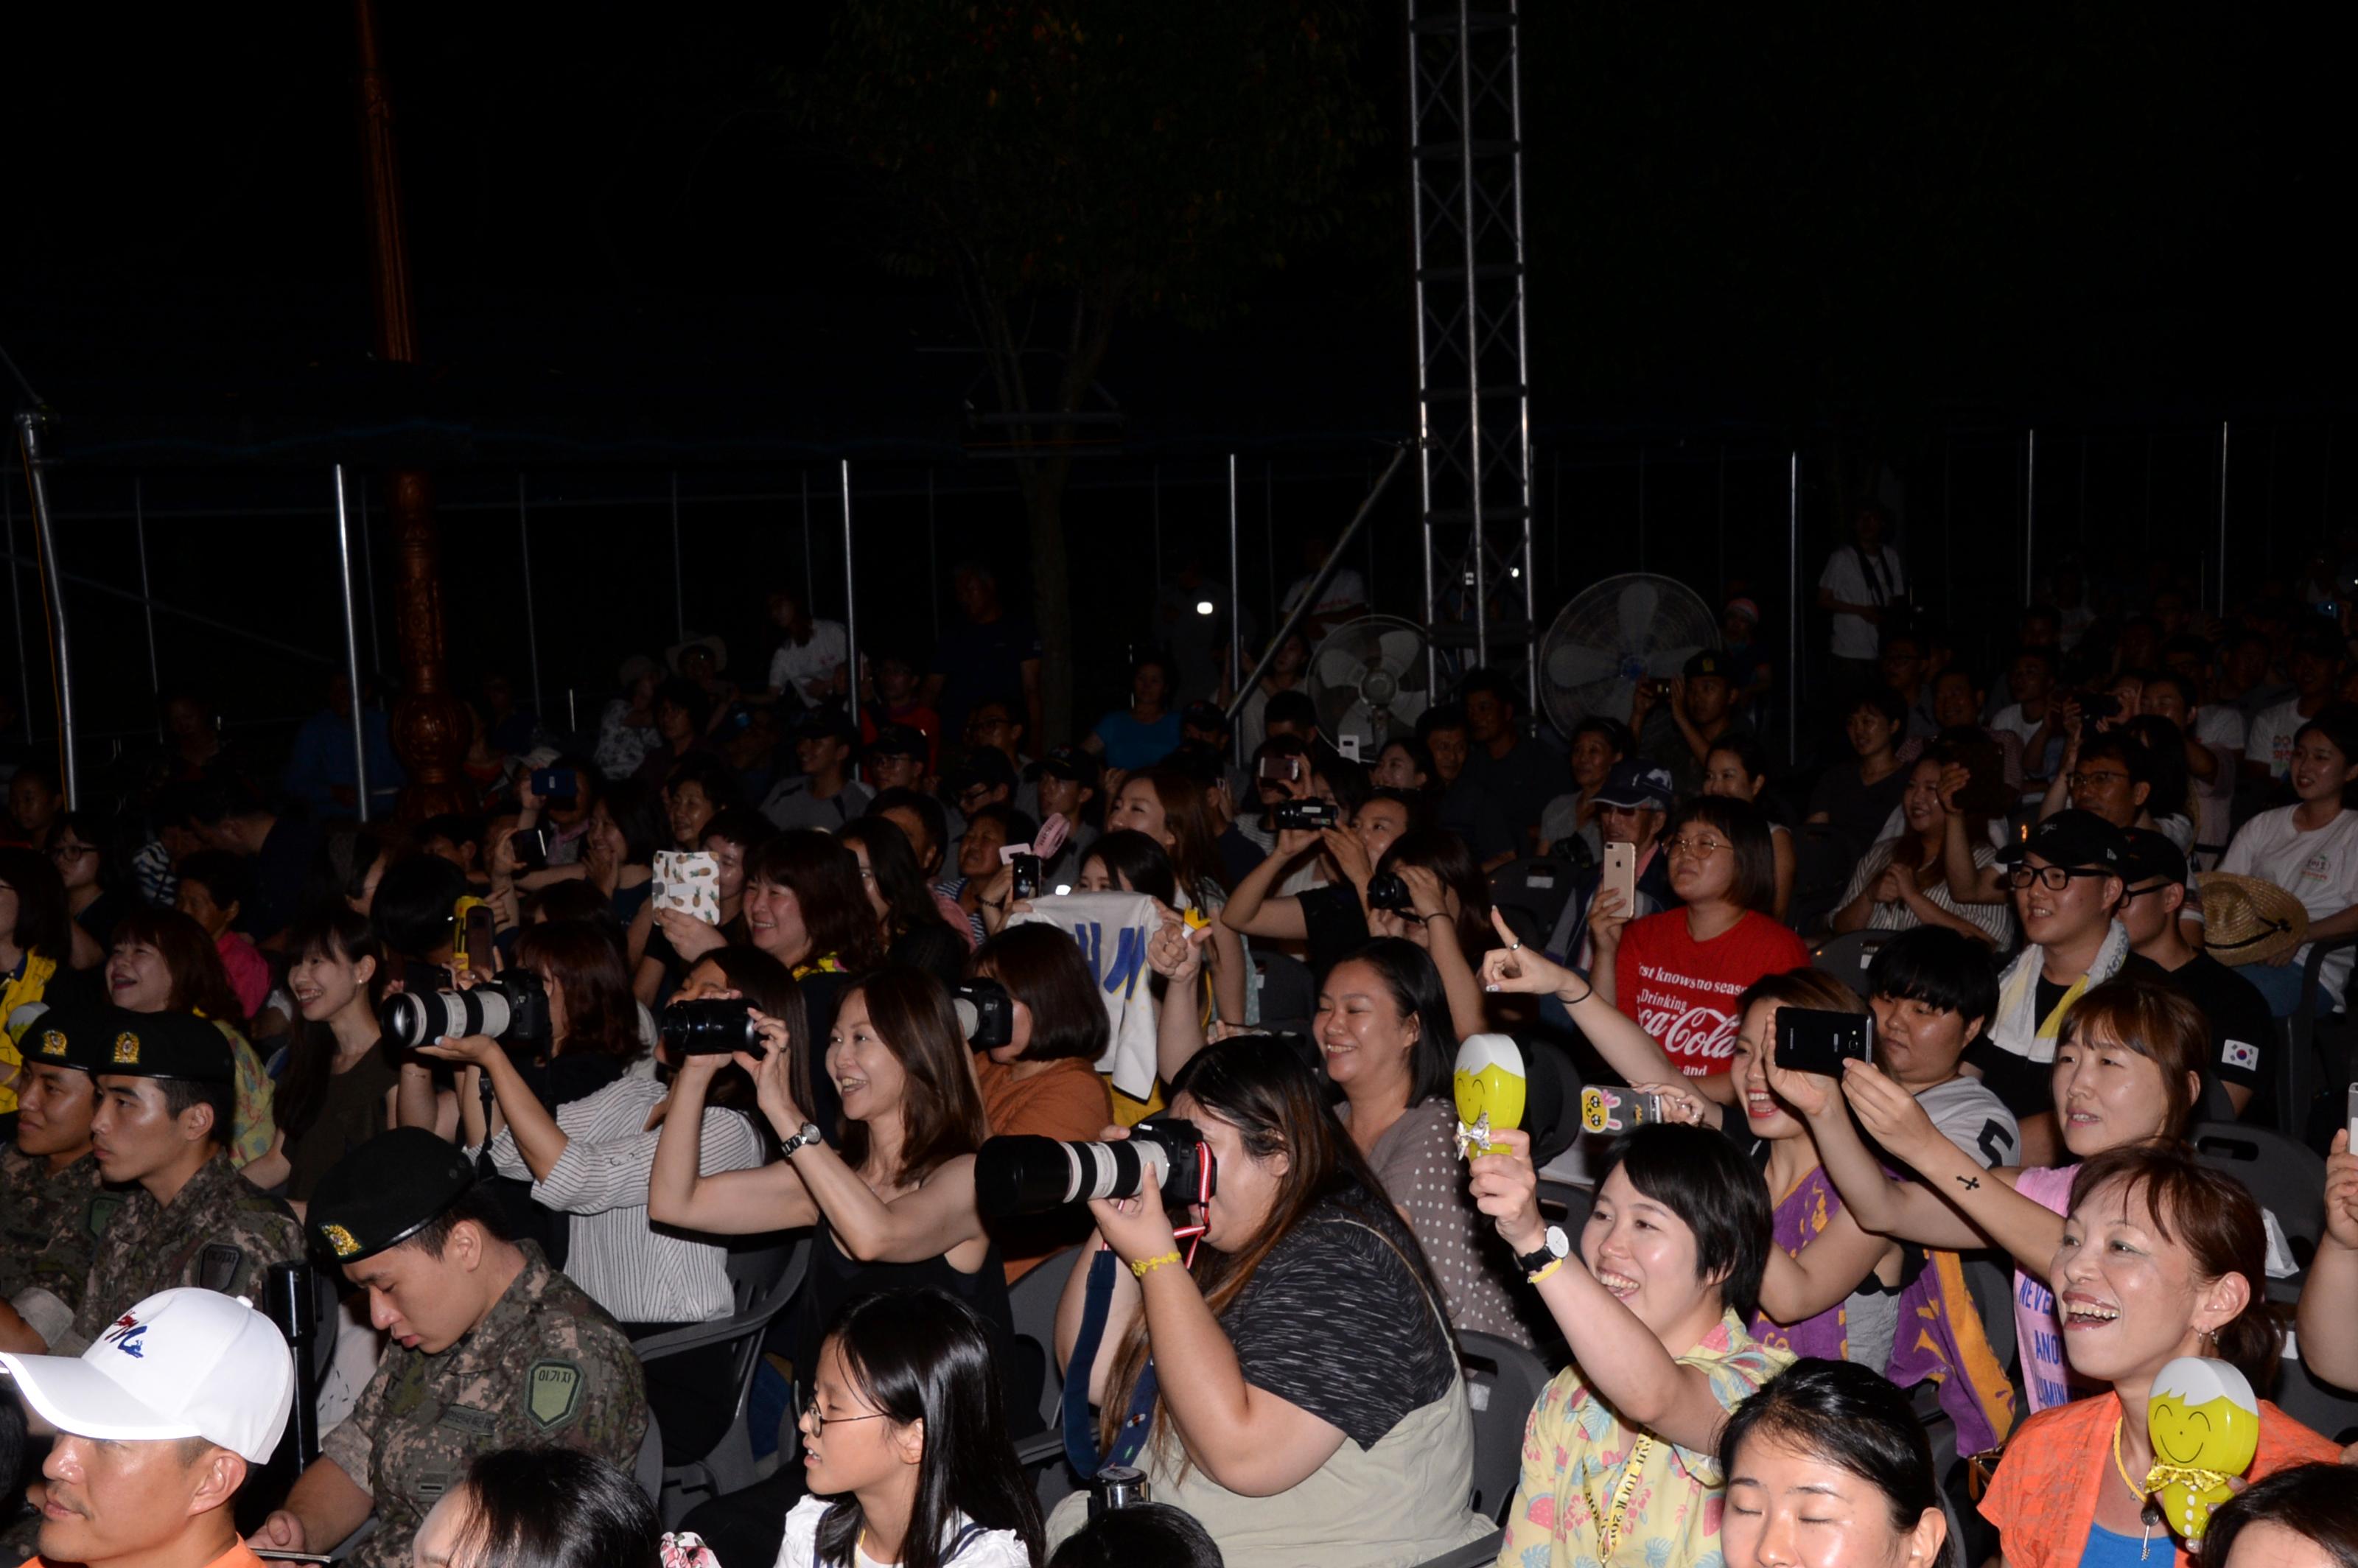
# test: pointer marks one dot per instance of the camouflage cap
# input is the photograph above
(77, 1035)
(156, 1045)
(384, 1192)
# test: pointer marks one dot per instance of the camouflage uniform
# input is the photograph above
(545, 1369)
(49, 1225)
(219, 1232)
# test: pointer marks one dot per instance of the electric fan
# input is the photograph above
(1613, 634)
(1368, 680)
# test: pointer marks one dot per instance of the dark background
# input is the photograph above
(1892, 239)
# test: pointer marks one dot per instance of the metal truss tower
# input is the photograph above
(1465, 129)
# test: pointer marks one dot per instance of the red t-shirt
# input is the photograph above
(1682, 991)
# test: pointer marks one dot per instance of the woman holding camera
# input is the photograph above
(1298, 1392)
(164, 962)
(670, 940)
(1383, 1028)
(1042, 1080)
(1330, 918)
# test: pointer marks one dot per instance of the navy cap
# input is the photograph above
(1068, 762)
(1634, 785)
(157, 1045)
(2072, 838)
(826, 723)
(386, 1190)
(1709, 662)
(898, 741)
(2151, 855)
(984, 765)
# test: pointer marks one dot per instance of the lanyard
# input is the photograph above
(1610, 1526)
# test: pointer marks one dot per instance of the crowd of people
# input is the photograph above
(743, 967)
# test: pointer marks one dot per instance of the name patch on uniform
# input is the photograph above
(101, 1211)
(126, 1049)
(552, 1389)
(466, 1419)
(217, 1267)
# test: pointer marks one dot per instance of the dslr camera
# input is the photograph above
(511, 1009)
(1017, 1176)
(1389, 890)
(1311, 814)
(985, 1012)
(710, 1026)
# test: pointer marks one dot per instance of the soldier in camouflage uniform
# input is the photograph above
(166, 1089)
(492, 1348)
(52, 1206)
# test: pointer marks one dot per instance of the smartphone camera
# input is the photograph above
(1819, 1040)
(560, 787)
(1024, 874)
(531, 847)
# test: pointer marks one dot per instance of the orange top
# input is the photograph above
(240, 1555)
(2043, 1497)
(1068, 1101)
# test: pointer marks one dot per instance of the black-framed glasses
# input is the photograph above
(62, 851)
(2089, 781)
(2054, 878)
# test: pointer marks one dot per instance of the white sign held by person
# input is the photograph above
(1112, 929)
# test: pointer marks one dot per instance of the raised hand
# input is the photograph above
(1519, 970)
(1889, 1113)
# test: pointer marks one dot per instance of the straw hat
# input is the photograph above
(2247, 921)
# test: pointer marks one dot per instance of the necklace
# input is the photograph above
(2148, 1511)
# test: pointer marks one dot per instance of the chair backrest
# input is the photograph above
(1536, 884)
(1288, 995)
(2325, 1410)
(649, 1470)
(1502, 1383)
(1846, 956)
(766, 1267)
(2287, 1178)
(1032, 1303)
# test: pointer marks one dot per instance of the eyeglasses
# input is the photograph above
(820, 1421)
(2090, 780)
(2136, 894)
(2054, 878)
(71, 851)
(1701, 848)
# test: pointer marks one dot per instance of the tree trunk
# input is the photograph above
(1051, 606)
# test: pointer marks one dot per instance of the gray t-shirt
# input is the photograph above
(1974, 1118)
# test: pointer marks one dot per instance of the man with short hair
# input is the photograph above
(1933, 992)
(1696, 714)
(898, 704)
(166, 1099)
(2034, 717)
(1907, 668)
(491, 1348)
(282, 843)
(896, 758)
(1467, 809)
(159, 1424)
(1957, 704)
(826, 795)
(52, 1206)
(991, 655)
(2315, 665)
(1520, 772)
(2243, 1036)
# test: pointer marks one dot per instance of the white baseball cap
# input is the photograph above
(183, 1363)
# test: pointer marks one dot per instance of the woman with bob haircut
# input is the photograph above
(1298, 1392)
(541, 1508)
(1044, 1081)
(805, 907)
(1619, 1456)
(2128, 1071)
(1679, 972)
(1383, 1028)
(2160, 1257)
(2304, 1516)
(905, 1446)
(1829, 1465)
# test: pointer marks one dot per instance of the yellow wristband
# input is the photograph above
(1146, 1266)
(1553, 1264)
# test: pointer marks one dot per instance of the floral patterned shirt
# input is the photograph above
(1578, 1455)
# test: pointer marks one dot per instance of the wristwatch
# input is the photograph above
(1555, 1248)
(804, 1135)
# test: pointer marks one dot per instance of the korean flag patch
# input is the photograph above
(2239, 1053)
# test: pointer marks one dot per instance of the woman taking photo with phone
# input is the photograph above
(668, 941)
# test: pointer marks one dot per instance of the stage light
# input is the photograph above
(1203, 607)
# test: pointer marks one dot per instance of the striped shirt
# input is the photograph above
(637, 1274)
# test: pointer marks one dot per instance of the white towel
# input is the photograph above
(2016, 1027)
(1112, 929)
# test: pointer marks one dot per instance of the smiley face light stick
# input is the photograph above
(2205, 1427)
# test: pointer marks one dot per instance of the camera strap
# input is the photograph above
(1080, 1432)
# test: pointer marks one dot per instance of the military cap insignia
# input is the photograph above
(340, 1239)
(54, 1042)
(126, 1049)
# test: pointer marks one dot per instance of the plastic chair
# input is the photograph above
(1288, 995)
(1846, 956)
(2286, 1177)
(2298, 1077)
(765, 1278)
(650, 1468)
(1032, 1302)
(1503, 1381)
(1537, 884)
(2317, 1405)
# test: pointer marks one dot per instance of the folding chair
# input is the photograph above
(765, 1278)
(1846, 956)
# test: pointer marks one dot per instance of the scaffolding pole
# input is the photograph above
(1236, 608)
(531, 622)
(352, 641)
(1793, 608)
(16, 616)
(53, 592)
(851, 609)
(146, 593)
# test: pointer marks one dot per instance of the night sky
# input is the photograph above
(1850, 229)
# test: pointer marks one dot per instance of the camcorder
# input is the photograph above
(985, 1012)
(558, 786)
(1304, 813)
(511, 1009)
(710, 1026)
(2099, 705)
(1389, 890)
(1018, 1176)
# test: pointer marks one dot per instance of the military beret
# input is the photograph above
(386, 1190)
(71, 1036)
(157, 1045)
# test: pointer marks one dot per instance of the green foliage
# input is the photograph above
(1143, 155)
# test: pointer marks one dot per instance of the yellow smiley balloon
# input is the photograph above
(2205, 1426)
(1490, 1083)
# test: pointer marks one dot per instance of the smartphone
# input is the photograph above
(1621, 875)
(2354, 1119)
(471, 948)
(1286, 768)
(558, 786)
(1023, 878)
(530, 847)
(1617, 1110)
(2099, 705)
(1817, 1040)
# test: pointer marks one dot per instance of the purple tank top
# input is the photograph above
(1806, 1211)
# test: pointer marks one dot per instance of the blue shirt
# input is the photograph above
(1129, 745)
(321, 759)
